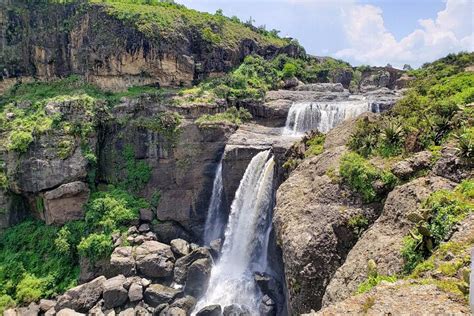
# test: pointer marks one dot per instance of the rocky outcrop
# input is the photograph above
(311, 220)
(112, 53)
(65, 203)
(83, 297)
(400, 298)
(383, 241)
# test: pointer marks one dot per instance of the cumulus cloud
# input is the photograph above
(370, 42)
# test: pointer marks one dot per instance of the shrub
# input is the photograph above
(358, 224)
(30, 289)
(231, 116)
(315, 145)
(445, 209)
(20, 141)
(289, 70)
(138, 172)
(6, 302)
(3, 181)
(96, 246)
(360, 175)
(466, 143)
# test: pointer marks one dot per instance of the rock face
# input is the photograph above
(66, 203)
(400, 298)
(122, 56)
(311, 220)
(383, 241)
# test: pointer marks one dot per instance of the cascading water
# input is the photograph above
(323, 116)
(246, 238)
(214, 223)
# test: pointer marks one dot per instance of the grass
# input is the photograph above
(315, 145)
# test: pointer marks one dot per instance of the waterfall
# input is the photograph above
(323, 116)
(214, 224)
(246, 238)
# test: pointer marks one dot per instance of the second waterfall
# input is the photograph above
(246, 239)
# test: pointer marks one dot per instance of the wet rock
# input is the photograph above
(115, 294)
(157, 294)
(236, 310)
(180, 247)
(211, 310)
(270, 288)
(267, 307)
(83, 297)
(65, 203)
(146, 215)
(135, 292)
(197, 279)
(182, 264)
(122, 261)
(154, 259)
(186, 303)
(216, 246)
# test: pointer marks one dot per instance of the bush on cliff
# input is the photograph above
(230, 116)
(444, 209)
(361, 176)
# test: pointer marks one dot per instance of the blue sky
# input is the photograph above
(374, 32)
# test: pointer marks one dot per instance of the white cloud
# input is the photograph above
(370, 42)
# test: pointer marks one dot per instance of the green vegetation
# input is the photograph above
(166, 20)
(167, 124)
(435, 108)
(361, 175)
(230, 116)
(358, 224)
(442, 210)
(38, 261)
(315, 145)
(3, 181)
(373, 281)
(255, 76)
(138, 172)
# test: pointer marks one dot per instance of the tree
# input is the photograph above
(407, 67)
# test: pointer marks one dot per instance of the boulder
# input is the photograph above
(236, 310)
(122, 261)
(182, 264)
(198, 276)
(409, 167)
(450, 166)
(146, 215)
(180, 247)
(210, 310)
(382, 242)
(166, 231)
(144, 228)
(154, 259)
(46, 305)
(175, 311)
(216, 246)
(127, 312)
(83, 297)
(68, 312)
(186, 303)
(115, 294)
(65, 203)
(157, 294)
(135, 292)
(267, 307)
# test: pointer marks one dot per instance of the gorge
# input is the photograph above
(155, 160)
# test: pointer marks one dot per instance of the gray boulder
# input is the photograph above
(115, 294)
(83, 297)
(186, 303)
(180, 247)
(197, 280)
(211, 310)
(157, 294)
(122, 261)
(236, 310)
(182, 264)
(154, 259)
(135, 292)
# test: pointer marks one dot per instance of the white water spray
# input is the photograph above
(323, 116)
(232, 280)
(214, 224)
